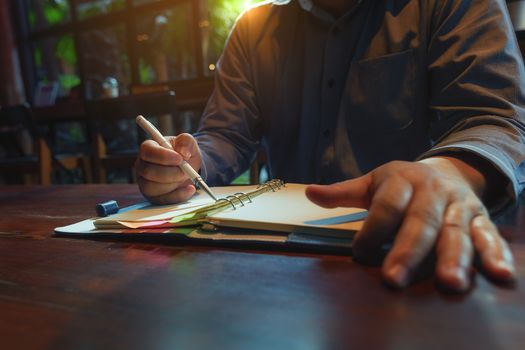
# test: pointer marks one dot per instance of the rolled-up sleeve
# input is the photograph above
(477, 84)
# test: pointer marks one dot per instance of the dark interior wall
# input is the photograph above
(11, 86)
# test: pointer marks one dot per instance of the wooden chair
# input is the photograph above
(255, 168)
(103, 112)
(27, 157)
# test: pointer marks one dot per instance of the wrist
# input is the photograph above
(462, 170)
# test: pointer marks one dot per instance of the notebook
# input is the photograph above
(273, 212)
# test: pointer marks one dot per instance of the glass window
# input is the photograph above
(90, 8)
(56, 61)
(165, 45)
(216, 20)
(45, 13)
(105, 61)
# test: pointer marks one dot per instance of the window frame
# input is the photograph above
(129, 16)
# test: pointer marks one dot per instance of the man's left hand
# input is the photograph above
(425, 206)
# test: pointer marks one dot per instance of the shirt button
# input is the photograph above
(336, 31)
(330, 83)
(326, 133)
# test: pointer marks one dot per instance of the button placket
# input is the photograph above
(333, 61)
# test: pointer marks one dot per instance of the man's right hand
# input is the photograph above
(159, 177)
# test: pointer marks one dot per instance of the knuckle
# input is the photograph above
(185, 135)
(433, 184)
(428, 215)
(474, 205)
(482, 224)
(147, 172)
(146, 151)
(438, 185)
(145, 188)
(453, 226)
(389, 205)
(145, 147)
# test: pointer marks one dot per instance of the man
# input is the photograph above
(425, 98)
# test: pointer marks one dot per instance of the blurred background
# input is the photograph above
(76, 72)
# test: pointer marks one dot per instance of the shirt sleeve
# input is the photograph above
(477, 89)
(229, 131)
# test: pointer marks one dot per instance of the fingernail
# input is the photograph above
(460, 276)
(398, 275)
(505, 267)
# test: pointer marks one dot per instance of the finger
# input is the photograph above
(496, 257)
(154, 189)
(185, 145)
(166, 193)
(386, 211)
(454, 248)
(350, 193)
(416, 236)
(159, 173)
(152, 152)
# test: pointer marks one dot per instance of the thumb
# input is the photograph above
(349, 193)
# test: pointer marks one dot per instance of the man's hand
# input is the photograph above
(422, 206)
(159, 178)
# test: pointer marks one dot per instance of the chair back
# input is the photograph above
(128, 107)
(15, 123)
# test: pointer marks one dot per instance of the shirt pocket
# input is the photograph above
(380, 93)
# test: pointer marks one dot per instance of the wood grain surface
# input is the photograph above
(65, 293)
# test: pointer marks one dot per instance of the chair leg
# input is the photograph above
(99, 151)
(44, 156)
(86, 170)
(254, 173)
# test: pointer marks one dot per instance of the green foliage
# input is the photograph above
(97, 8)
(68, 81)
(77, 133)
(222, 15)
(32, 19)
(146, 75)
(65, 50)
(175, 36)
(37, 55)
(56, 11)
(51, 12)
(243, 179)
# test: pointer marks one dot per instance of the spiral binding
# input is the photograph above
(227, 200)
(271, 185)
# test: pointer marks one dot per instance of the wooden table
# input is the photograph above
(59, 293)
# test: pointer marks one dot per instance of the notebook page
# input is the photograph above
(288, 210)
(150, 212)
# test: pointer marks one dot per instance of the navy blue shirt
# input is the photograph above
(330, 99)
